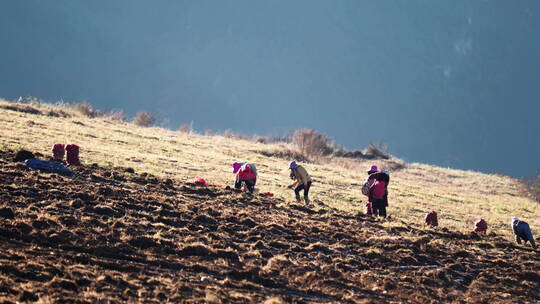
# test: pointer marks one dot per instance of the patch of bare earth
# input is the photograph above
(114, 236)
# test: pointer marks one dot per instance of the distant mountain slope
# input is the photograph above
(108, 235)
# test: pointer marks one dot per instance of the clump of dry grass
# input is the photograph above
(86, 109)
(186, 128)
(311, 143)
(144, 119)
(376, 151)
(116, 115)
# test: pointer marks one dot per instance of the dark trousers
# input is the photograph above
(300, 187)
(250, 184)
(378, 206)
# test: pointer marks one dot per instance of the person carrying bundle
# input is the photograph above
(379, 196)
(302, 181)
(367, 186)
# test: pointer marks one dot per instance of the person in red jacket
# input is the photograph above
(378, 198)
(247, 176)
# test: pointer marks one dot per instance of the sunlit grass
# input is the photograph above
(460, 197)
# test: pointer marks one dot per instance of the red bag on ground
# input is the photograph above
(73, 155)
(58, 151)
(201, 182)
(480, 226)
(268, 194)
(431, 219)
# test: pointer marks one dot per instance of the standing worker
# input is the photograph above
(372, 177)
(378, 198)
(302, 181)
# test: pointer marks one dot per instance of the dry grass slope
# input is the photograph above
(458, 196)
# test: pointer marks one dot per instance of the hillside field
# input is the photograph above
(108, 235)
(458, 196)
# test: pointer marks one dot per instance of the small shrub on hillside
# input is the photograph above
(260, 139)
(144, 119)
(116, 115)
(57, 113)
(86, 109)
(311, 143)
(376, 151)
(230, 134)
(186, 128)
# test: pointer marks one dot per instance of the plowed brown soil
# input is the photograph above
(114, 236)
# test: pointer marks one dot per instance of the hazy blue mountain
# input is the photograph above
(454, 83)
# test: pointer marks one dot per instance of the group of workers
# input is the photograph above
(375, 188)
(246, 175)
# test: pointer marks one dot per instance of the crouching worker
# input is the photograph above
(245, 174)
(523, 232)
(302, 181)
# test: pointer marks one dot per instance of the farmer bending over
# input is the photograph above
(302, 181)
(522, 231)
(245, 173)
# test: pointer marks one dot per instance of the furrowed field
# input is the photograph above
(106, 234)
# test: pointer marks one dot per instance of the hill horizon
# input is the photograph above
(158, 121)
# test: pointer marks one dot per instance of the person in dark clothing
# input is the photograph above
(522, 231)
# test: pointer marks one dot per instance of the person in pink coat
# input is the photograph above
(378, 199)
(245, 174)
